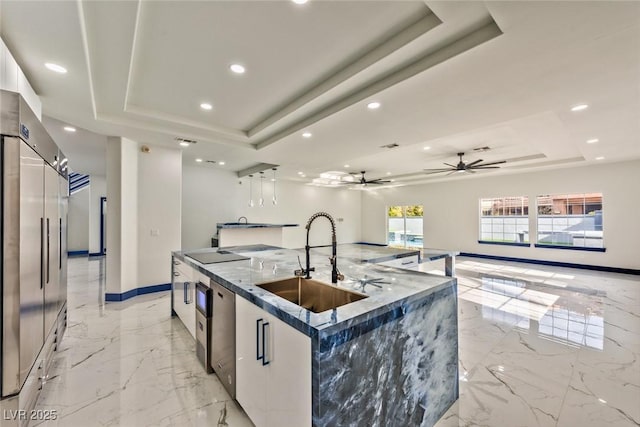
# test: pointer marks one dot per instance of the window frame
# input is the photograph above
(543, 245)
(404, 226)
(481, 216)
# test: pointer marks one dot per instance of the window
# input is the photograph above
(504, 220)
(570, 220)
(404, 226)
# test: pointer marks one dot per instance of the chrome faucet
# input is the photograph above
(335, 274)
(246, 221)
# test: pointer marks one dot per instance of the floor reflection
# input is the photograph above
(558, 314)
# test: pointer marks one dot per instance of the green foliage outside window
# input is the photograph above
(395, 211)
(413, 211)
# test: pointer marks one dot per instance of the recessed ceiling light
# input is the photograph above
(69, 128)
(184, 144)
(601, 400)
(579, 107)
(388, 173)
(206, 106)
(307, 135)
(426, 148)
(199, 160)
(346, 166)
(237, 68)
(299, 1)
(592, 140)
(55, 67)
(600, 158)
(300, 173)
(222, 163)
(373, 105)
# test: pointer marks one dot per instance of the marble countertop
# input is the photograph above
(268, 263)
(430, 254)
(251, 225)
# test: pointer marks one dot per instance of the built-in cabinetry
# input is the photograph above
(273, 369)
(408, 262)
(184, 292)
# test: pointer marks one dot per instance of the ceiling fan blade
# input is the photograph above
(453, 166)
(486, 167)
(439, 169)
(470, 170)
(377, 181)
(452, 172)
(475, 162)
(432, 171)
(492, 163)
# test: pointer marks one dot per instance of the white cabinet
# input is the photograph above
(273, 369)
(408, 262)
(184, 293)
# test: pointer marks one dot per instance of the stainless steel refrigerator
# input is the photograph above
(33, 292)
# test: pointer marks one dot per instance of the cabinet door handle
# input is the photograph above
(407, 262)
(176, 262)
(265, 361)
(186, 293)
(258, 356)
(176, 273)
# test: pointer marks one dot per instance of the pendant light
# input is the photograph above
(274, 200)
(261, 190)
(250, 191)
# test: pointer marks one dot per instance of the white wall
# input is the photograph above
(98, 189)
(122, 210)
(159, 213)
(12, 78)
(78, 226)
(213, 195)
(451, 211)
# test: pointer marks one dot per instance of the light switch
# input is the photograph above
(155, 232)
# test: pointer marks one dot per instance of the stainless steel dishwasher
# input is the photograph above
(223, 336)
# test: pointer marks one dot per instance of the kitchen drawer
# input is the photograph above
(408, 262)
(183, 273)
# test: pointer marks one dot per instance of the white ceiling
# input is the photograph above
(450, 75)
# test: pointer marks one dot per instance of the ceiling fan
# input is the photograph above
(466, 167)
(364, 181)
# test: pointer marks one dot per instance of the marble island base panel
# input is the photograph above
(398, 369)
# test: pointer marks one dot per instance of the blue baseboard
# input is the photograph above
(77, 253)
(137, 291)
(555, 263)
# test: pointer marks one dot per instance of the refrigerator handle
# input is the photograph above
(41, 253)
(48, 249)
(60, 246)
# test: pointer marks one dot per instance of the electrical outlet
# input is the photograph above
(155, 232)
(339, 219)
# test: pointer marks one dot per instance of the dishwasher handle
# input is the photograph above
(258, 346)
(265, 340)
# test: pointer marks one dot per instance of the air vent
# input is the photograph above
(481, 149)
(390, 146)
(210, 161)
(188, 141)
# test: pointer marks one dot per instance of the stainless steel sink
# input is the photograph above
(311, 294)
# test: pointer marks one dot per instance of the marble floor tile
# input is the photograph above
(538, 346)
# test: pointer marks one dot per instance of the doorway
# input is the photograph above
(103, 225)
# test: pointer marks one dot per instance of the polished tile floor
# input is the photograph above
(539, 346)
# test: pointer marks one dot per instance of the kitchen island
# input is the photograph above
(389, 359)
